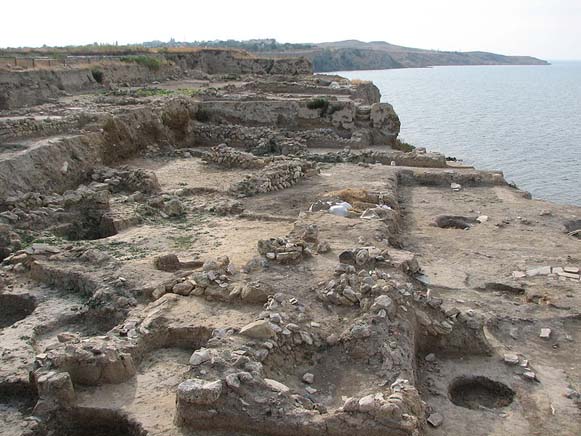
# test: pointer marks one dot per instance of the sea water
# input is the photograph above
(523, 120)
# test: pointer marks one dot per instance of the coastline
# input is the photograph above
(486, 115)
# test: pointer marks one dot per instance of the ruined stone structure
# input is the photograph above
(254, 255)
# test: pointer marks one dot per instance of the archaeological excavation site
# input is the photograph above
(213, 243)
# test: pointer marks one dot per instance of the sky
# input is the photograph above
(549, 29)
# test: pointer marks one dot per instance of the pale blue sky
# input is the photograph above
(549, 29)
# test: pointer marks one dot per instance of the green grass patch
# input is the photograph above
(98, 75)
(183, 242)
(403, 146)
(152, 92)
(318, 103)
(153, 63)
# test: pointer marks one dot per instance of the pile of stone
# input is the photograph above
(214, 281)
(294, 249)
(351, 287)
(228, 157)
(90, 362)
(31, 209)
(125, 179)
(222, 207)
(402, 397)
(9, 241)
(275, 177)
(168, 206)
(283, 250)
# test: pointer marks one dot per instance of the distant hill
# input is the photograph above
(358, 55)
(325, 56)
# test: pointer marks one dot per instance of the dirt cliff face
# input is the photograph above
(250, 255)
(24, 88)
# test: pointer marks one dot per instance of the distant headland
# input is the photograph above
(357, 55)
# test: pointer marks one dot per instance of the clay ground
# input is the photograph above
(472, 269)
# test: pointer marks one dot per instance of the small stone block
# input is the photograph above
(435, 419)
(545, 333)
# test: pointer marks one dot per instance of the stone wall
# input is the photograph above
(275, 177)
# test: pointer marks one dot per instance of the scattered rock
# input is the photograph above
(511, 358)
(276, 386)
(430, 357)
(256, 292)
(308, 378)
(200, 356)
(184, 288)
(435, 419)
(540, 271)
(260, 329)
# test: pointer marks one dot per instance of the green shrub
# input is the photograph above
(334, 108)
(154, 64)
(98, 75)
(403, 146)
(152, 92)
(318, 103)
(202, 115)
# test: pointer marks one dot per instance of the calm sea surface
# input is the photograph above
(523, 120)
